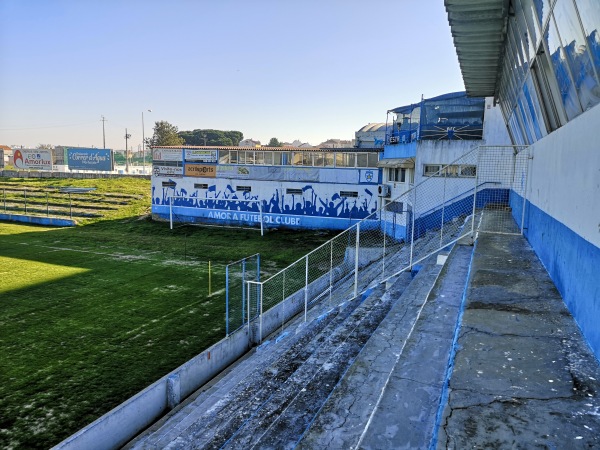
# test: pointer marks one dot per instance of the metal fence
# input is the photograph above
(237, 307)
(451, 203)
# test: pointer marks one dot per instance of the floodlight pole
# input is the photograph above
(127, 136)
(144, 143)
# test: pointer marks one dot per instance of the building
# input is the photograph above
(540, 62)
(291, 187)
(249, 143)
(371, 136)
(336, 143)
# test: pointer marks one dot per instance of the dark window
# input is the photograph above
(348, 194)
(294, 191)
(243, 188)
(170, 184)
(200, 186)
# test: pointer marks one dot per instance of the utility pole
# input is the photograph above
(127, 136)
(103, 135)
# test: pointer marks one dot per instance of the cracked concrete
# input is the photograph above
(523, 375)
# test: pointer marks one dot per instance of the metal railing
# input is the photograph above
(435, 213)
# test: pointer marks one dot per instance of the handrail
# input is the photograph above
(443, 204)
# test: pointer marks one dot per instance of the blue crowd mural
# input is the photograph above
(308, 203)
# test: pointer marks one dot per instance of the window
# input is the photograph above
(468, 171)
(169, 184)
(268, 158)
(277, 158)
(243, 188)
(223, 156)
(293, 191)
(362, 160)
(397, 174)
(395, 207)
(200, 186)
(233, 156)
(372, 159)
(348, 194)
(431, 169)
(259, 158)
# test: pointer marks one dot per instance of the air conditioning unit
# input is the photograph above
(383, 190)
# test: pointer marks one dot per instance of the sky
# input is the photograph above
(291, 69)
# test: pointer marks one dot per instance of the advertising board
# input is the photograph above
(207, 156)
(167, 171)
(33, 159)
(200, 170)
(90, 159)
(167, 154)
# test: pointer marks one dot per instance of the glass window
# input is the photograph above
(526, 38)
(373, 157)
(339, 160)
(350, 159)
(543, 11)
(319, 160)
(574, 45)
(561, 71)
(223, 156)
(268, 158)
(307, 159)
(277, 159)
(534, 109)
(362, 160)
(515, 130)
(242, 157)
(533, 24)
(589, 12)
(233, 155)
(259, 158)
(329, 159)
(524, 121)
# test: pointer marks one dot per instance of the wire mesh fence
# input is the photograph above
(238, 310)
(448, 205)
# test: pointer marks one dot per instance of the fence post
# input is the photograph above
(330, 268)
(356, 253)
(260, 300)
(443, 209)
(25, 197)
(384, 218)
(477, 166)
(171, 211)
(528, 157)
(412, 227)
(4, 196)
(70, 207)
(244, 291)
(227, 300)
(306, 289)
(47, 206)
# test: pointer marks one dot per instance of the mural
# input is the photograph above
(306, 203)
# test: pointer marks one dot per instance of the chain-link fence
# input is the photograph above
(448, 205)
(238, 310)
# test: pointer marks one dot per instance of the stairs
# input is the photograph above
(318, 384)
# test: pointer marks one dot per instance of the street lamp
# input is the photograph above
(144, 143)
(127, 136)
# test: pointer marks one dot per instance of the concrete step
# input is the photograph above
(240, 409)
(389, 397)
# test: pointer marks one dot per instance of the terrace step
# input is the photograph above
(274, 394)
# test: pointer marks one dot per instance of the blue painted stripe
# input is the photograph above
(451, 357)
(39, 220)
(572, 263)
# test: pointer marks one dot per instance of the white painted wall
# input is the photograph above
(565, 175)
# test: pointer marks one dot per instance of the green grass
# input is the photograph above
(93, 314)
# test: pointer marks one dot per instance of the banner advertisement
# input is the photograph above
(200, 170)
(167, 154)
(207, 156)
(167, 171)
(90, 159)
(33, 159)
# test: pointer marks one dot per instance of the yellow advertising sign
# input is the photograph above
(200, 170)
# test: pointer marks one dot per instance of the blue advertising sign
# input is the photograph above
(90, 159)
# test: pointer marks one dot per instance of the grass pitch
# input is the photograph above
(91, 315)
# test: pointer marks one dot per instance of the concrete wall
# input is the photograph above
(39, 220)
(563, 216)
(121, 424)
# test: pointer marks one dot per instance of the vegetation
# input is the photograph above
(274, 142)
(165, 134)
(212, 137)
(92, 314)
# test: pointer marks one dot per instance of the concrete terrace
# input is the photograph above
(393, 370)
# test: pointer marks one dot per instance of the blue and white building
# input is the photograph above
(540, 62)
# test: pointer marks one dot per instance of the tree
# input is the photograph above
(212, 137)
(165, 134)
(274, 142)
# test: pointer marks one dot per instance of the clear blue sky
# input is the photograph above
(297, 69)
